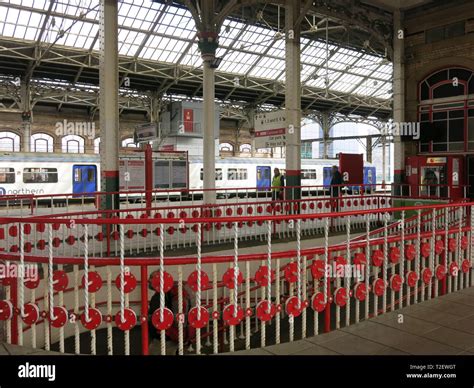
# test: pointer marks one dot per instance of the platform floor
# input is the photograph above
(16, 350)
(441, 326)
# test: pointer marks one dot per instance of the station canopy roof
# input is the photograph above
(165, 33)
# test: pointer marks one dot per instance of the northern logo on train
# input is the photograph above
(3, 191)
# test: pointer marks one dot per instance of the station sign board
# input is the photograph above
(270, 129)
(145, 132)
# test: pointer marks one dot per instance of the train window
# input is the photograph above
(77, 175)
(218, 174)
(236, 174)
(308, 174)
(40, 175)
(90, 175)
(7, 175)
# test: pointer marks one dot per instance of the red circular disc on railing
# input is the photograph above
(13, 231)
(356, 202)
(14, 248)
(144, 232)
(340, 261)
(278, 208)
(229, 225)
(340, 296)
(250, 210)
(231, 316)
(195, 228)
(170, 215)
(396, 282)
(59, 318)
(377, 258)
(95, 319)
(195, 214)
(27, 228)
(183, 214)
(60, 280)
(129, 233)
(412, 278)
(157, 215)
(228, 211)
(291, 272)
(229, 277)
(311, 205)
(128, 321)
(167, 281)
(362, 202)
(394, 255)
(129, 216)
(368, 202)
(40, 228)
(360, 259)
(250, 223)
(56, 242)
(183, 229)
(218, 225)
(464, 242)
(32, 283)
(453, 269)
(294, 306)
(425, 249)
(318, 269)
(170, 230)
(287, 207)
(240, 224)
(262, 275)
(465, 265)
(193, 281)
(70, 240)
(440, 272)
(426, 275)
(378, 287)
(41, 245)
(143, 215)
(130, 282)
(320, 205)
(259, 209)
(348, 203)
(240, 211)
(317, 302)
(410, 252)
(451, 244)
(198, 322)
(31, 313)
(218, 213)
(94, 280)
(27, 247)
(303, 206)
(439, 247)
(259, 222)
(158, 231)
(265, 310)
(269, 208)
(56, 226)
(99, 236)
(162, 323)
(382, 201)
(6, 310)
(115, 235)
(360, 291)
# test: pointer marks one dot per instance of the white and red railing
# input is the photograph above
(95, 268)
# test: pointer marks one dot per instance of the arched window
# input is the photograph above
(96, 145)
(226, 147)
(264, 150)
(9, 141)
(245, 148)
(445, 111)
(72, 144)
(129, 143)
(42, 142)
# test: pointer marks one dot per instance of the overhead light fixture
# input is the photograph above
(215, 63)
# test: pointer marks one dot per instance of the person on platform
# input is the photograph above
(336, 182)
(278, 183)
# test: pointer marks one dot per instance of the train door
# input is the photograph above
(264, 176)
(470, 176)
(84, 179)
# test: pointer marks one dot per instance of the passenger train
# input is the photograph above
(49, 174)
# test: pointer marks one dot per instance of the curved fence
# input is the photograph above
(97, 271)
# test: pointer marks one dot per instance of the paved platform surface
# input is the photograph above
(16, 350)
(441, 326)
